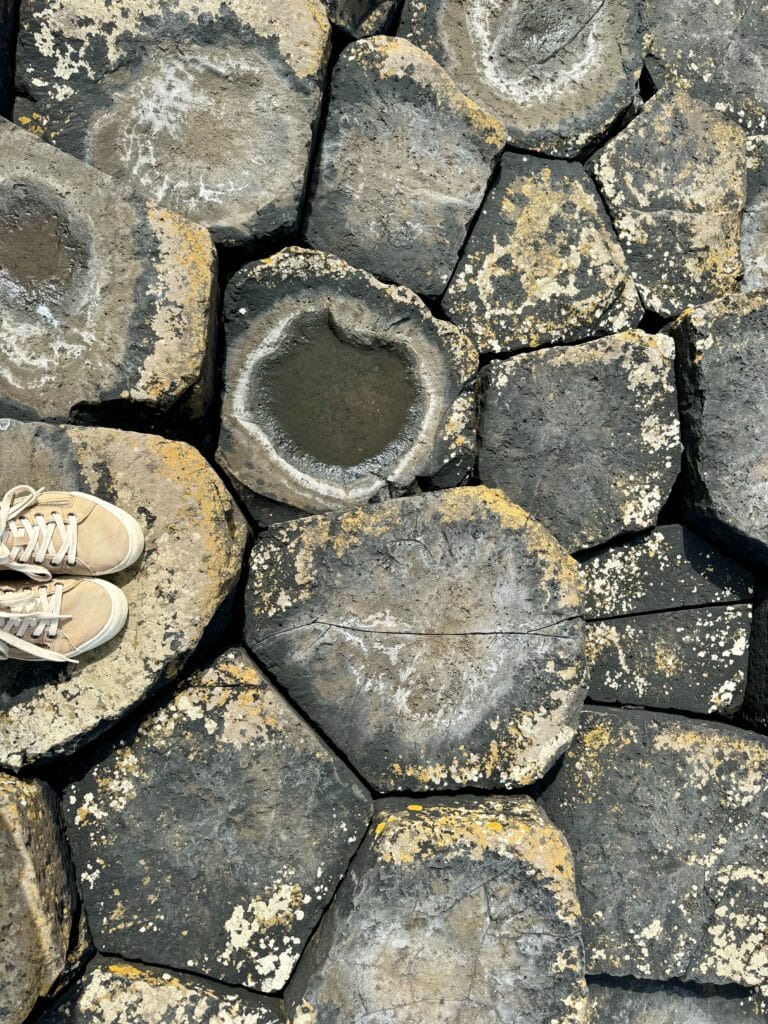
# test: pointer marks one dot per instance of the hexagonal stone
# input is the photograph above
(338, 388)
(754, 226)
(584, 437)
(631, 1001)
(667, 821)
(460, 909)
(556, 75)
(227, 774)
(542, 264)
(436, 640)
(195, 539)
(675, 184)
(172, 98)
(362, 17)
(403, 167)
(37, 896)
(103, 298)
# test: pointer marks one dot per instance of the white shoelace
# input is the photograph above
(24, 544)
(33, 613)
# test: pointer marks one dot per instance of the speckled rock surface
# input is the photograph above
(631, 1001)
(675, 184)
(227, 774)
(542, 264)
(607, 411)
(457, 909)
(103, 297)
(754, 226)
(338, 388)
(667, 821)
(557, 76)
(194, 547)
(363, 17)
(436, 640)
(403, 167)
(173, 100)
(37, 896)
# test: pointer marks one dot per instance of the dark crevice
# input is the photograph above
(646, 85)
(653, 709)
(653, 323)
(735, 603)
(9, 33)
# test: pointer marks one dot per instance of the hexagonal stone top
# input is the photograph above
(338, 387)
(172, 97)
(436, 640)
(213, 838)
(460, 909)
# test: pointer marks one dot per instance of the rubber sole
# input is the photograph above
(135, 533)
(116, 622)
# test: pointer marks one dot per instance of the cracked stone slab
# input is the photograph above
(404, 165)
(667, 821)
(556, 75)
(225, 774)
(542, 264)
(690, 659)
(171, 99)
(631, 1001)
(754, 226)
(104, 298)
(363, 17)
(454, 909)
(195, 539)
(38, 900)
(436, 640)
(338, 388)
(675, 185)
(607, 411)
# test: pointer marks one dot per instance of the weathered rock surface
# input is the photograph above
(214, 838)
(585, 438)
(631, 1001)
(363, 17)
(195, 539)
(675, 184)
(338, 387)
(458, 909)
(667, 821)
(403, 167)
(435, 640)
(556, 76)
(37, 896)
(172, 98)
(754, 226)
(103, 297)
(542, 264)
(115, 992)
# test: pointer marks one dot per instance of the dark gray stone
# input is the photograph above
(214, 838)
(584, 437)
(631, 1001)
(436, 640)
(363, 17)
(8, 27)
(754, 226)
(755, 709)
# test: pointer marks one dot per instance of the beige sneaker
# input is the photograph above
(58, 621)
(61, 533)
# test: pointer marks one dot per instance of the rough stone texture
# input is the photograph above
(103, 297)
(114, 992)
(435, 639)
(556, 75)
(542, 264)
(631, 1001)
(195, 539)
(363, 17)
(172, 98)
(403, 167)
(754, 226)
(458, 909)
(755, 709)
(37, 896)
(667, 821)
(675, 184)
(338, 387)
(214, 838)
(692, 659)
(585, 438)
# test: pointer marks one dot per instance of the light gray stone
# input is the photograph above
(754, 226)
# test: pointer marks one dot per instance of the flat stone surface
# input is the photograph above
(692, 659)
(338, 388)
(435, 640)
(195, 539)
(37, 896)
(667, 821)
(630, 1001)
(754, 226)
(542, 264)
(585, 438)
(556, 76)
(675, 184)
(363, 17)
(171, 98)
(403, 166)
(213, 839)
(458, 909)
(103, 297)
